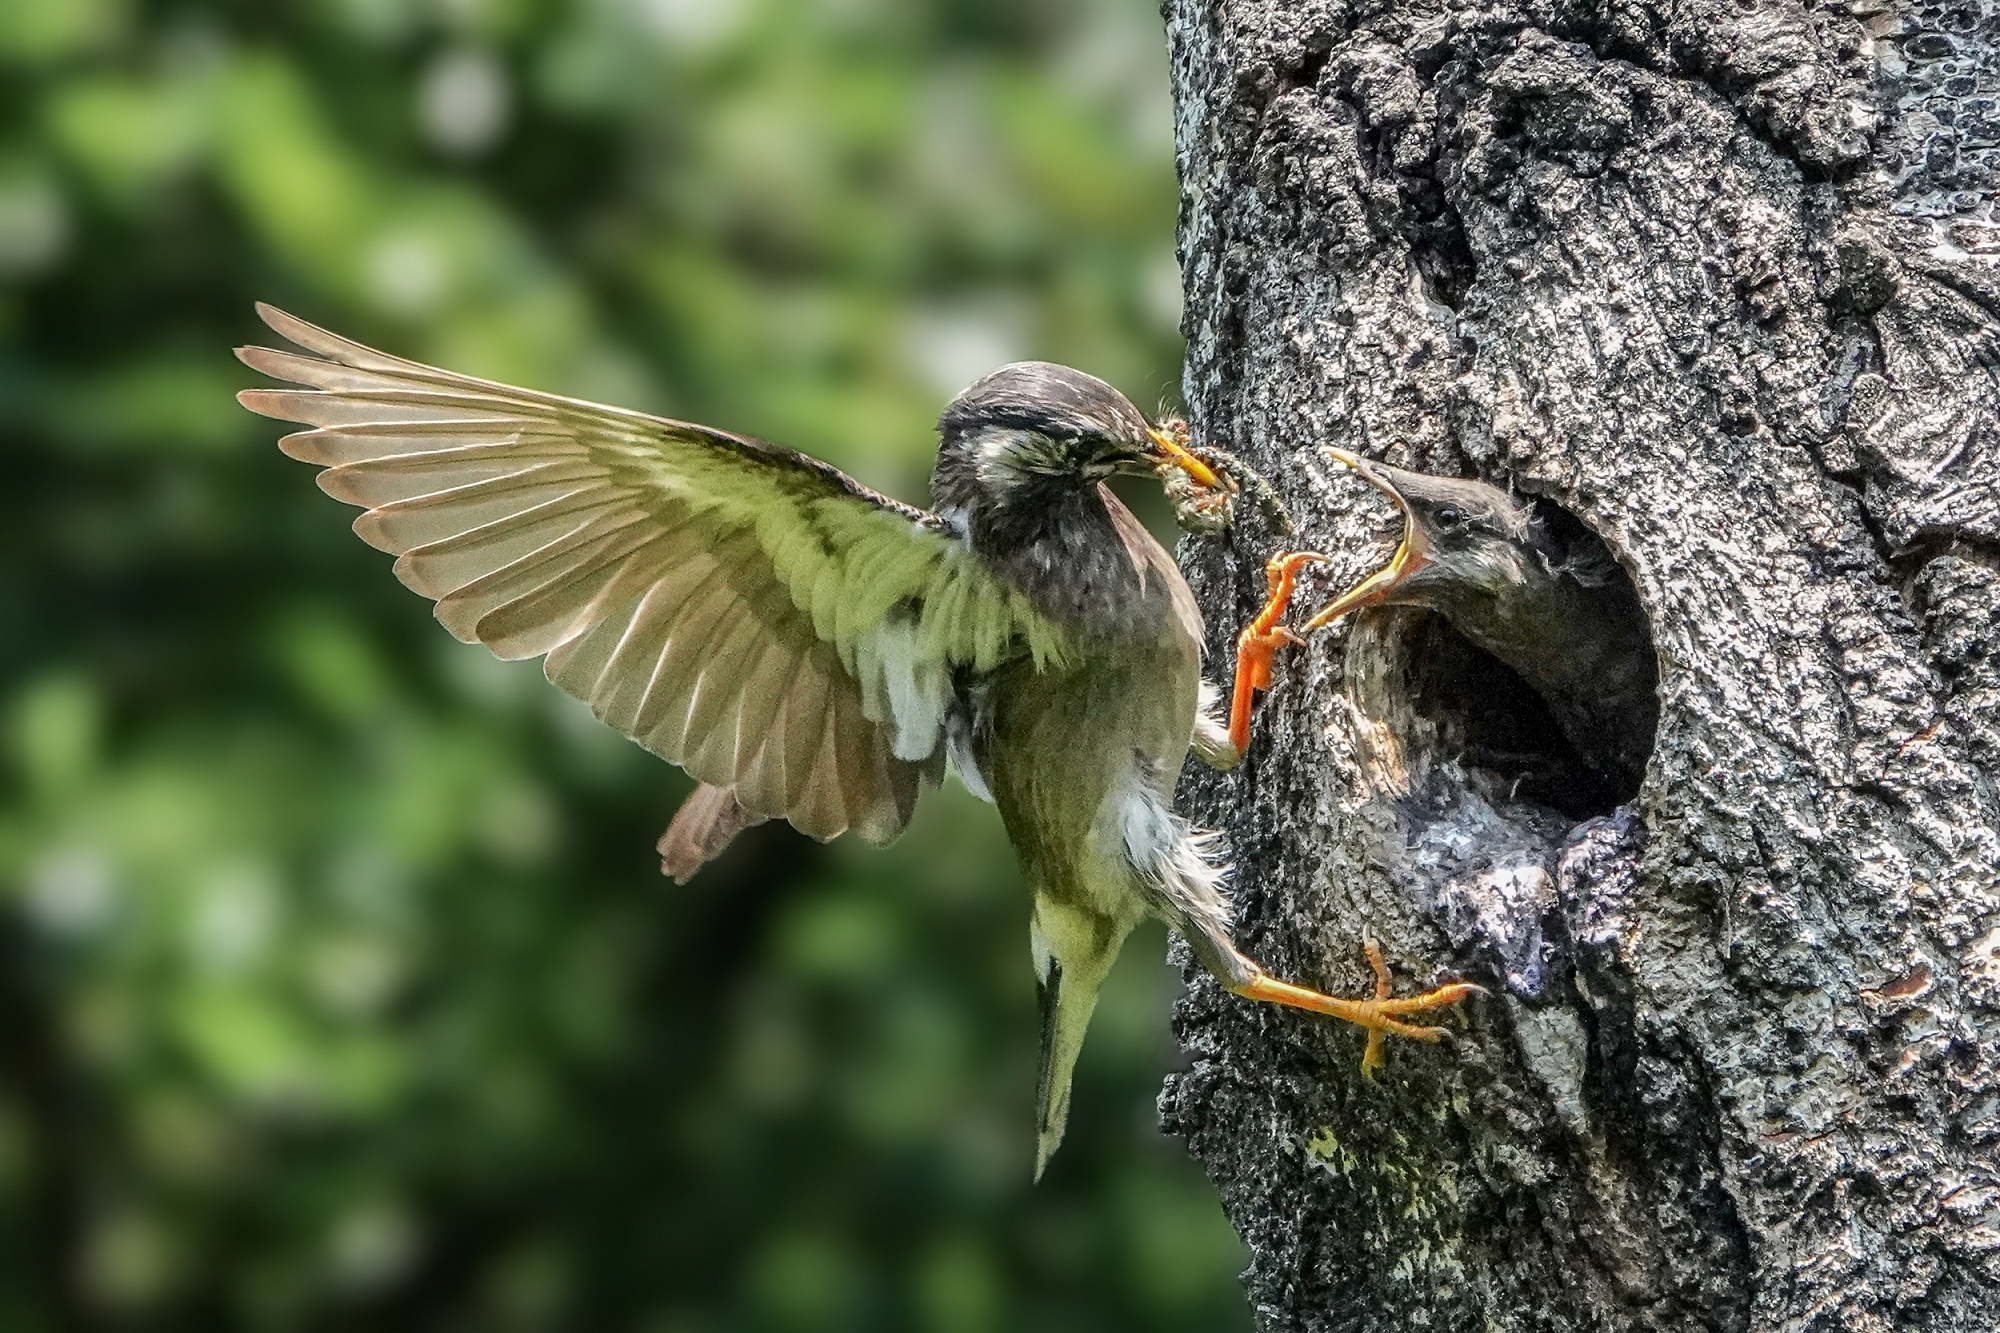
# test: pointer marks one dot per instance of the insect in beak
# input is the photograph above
(1173, 452)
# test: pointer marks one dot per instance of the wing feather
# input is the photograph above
(764, 687)
(543, 619)
(444, 567)
(727, 604)
(754, 691)
(567, 573)
(334, 376)
(366, 444)
(542, 492)
(665, 712)
(382, 407)
(409, 476)
(800, 726)
(640, 695)
(856, 757)
(331, 345)
(1151, 562)
(577, 553)
(711, 740)
(611, 666)
(822, 802)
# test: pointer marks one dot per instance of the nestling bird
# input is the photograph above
(1543, 595)
(811, 650)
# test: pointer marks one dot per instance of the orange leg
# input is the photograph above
(1372, 1056)
(1379, 1016)
(1262, 638)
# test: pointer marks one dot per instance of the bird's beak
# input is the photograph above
(1412, 555)
(1170, 452)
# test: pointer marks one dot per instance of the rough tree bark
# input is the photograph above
(1717, 276)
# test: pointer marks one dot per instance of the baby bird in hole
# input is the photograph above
(1520, 579)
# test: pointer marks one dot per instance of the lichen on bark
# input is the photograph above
(1715, 279)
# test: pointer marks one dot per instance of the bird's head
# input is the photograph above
(1460, 538)
(1033, 428)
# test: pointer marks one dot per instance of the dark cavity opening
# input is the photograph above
(1458, 708)
(1500, 731)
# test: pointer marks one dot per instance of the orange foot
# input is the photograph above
(1379, 1015)
(1262, 638)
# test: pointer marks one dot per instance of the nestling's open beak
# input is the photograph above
(1172, 453)
(1412, 555)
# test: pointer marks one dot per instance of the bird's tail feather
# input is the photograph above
(1051, 1101)
(707, 822)
(1073, 952)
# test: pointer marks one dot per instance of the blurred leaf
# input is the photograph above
(252, 1048)
(333, 666)
(167, 403)
(804, 1280)
(841, 937)
(35, 219)
(957, 1288)
(1177, 1251)
(304, 196)
(126, 135)
(40, 31)
(58, 731)
(129, 1259)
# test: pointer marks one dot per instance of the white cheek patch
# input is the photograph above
(998, 469)
(1005, 459)
(901, 688)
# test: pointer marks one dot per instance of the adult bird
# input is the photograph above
(1523, 581)
(811, 650)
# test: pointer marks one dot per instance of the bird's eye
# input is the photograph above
(1448, 518)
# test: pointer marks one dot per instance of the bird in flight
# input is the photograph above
(811, 650)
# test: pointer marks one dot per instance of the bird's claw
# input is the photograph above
(1373, 1056)
(1263, 637)
(1382, 1015)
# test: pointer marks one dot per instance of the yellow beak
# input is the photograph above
(1174, 454)
(1413, 554)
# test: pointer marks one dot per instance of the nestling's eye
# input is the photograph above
(1448, 517)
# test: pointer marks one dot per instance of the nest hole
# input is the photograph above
(1444, 712)
(1484, 715)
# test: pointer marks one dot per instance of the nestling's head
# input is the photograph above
(1460, 538)
(1034, 428)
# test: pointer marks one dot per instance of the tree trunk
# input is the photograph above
(1716, 278)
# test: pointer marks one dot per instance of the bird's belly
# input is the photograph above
(1061, 743)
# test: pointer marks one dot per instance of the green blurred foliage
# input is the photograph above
(338, 988)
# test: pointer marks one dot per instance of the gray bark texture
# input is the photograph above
(1721, 278)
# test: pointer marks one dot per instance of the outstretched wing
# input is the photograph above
(749, 613)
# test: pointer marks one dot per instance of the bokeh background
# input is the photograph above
(338, 987)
